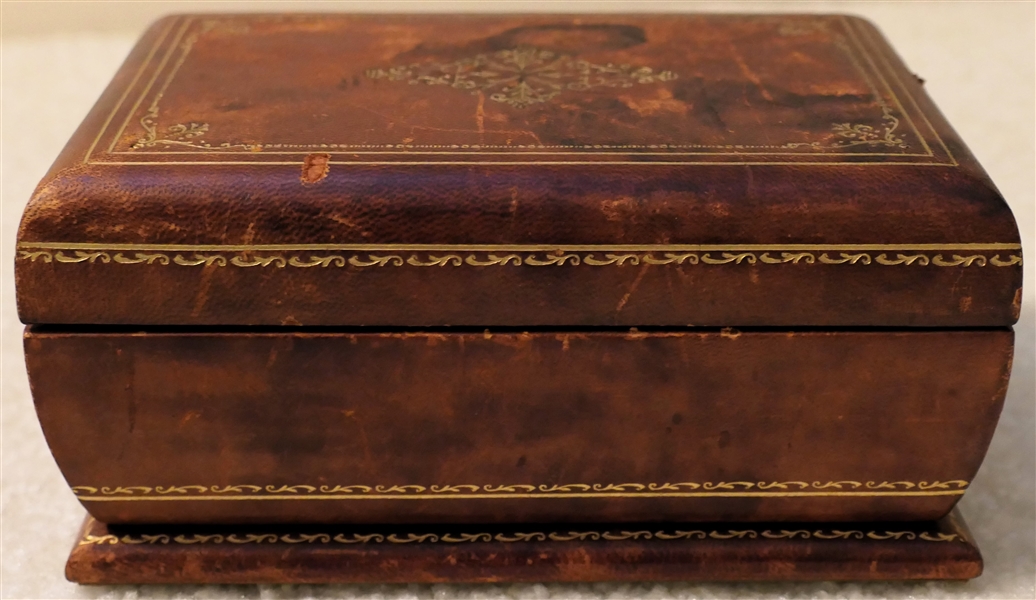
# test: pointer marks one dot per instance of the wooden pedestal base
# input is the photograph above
(709, 552)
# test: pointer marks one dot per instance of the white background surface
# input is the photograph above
(977, 58)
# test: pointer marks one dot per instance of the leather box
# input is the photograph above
(517, 269)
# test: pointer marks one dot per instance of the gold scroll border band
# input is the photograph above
(433, 255)
(532, 536)
(725, 489)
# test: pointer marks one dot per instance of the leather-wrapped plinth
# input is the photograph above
(510, 427)
(472, 553)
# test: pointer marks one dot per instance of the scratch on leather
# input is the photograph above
(315, 168)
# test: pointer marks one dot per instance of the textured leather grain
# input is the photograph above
(517, 170)
(381, 428)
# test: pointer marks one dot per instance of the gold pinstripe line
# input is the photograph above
(513, 247)
(264, 497)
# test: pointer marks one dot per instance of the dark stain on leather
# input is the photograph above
(570, 38)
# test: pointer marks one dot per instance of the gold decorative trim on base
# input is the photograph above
(429, 255)
(724, 489)
(533, 536)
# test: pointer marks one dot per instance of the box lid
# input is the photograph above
(517, 171)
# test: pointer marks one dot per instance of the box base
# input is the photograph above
(558, 553)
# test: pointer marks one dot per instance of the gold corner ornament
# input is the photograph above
(523, 76)
(187, 135)
(438, 537)
(365, 256)
(722, 489)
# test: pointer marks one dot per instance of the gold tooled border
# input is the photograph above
(817, 158)
(534, 255)
(723, 489)
(675, 534)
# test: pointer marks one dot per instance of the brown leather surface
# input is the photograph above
(683, 552)
(380, 428)
(226, 144)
